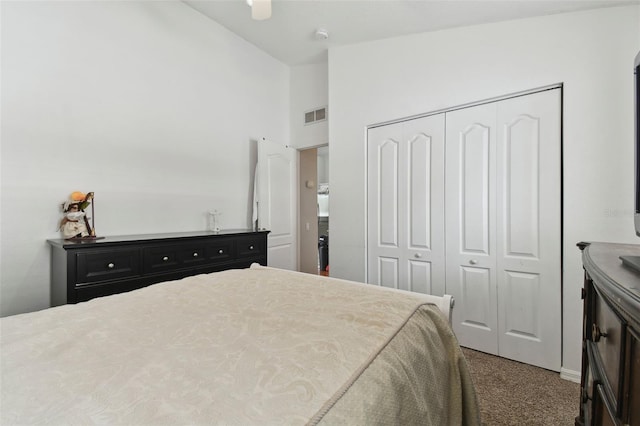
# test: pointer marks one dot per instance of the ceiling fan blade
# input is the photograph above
(261, 9)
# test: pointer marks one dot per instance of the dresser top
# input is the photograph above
(620, 283)
(107, 240)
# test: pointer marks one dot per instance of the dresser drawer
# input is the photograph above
(601, 414)
(250, 246)
(88, 292)
(220, 250)
(631, 410)
(586, 393)
(171, 257)
(103, 265)
(606, 332)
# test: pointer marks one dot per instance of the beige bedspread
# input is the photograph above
(258, 346)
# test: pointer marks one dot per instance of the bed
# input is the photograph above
(255, 346)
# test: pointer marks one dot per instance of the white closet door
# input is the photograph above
(503, 227)
(405, 205)
(529, 235)
(424, 205)
(471, 225)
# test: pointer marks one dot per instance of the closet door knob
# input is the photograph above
(473, 261)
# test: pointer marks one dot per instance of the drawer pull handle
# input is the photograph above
(111, 265)
(195, 254)
(164, 259)
(250, 247)
(473, 262)
(220, 251)
(596, 334)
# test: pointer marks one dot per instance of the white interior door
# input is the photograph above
(471, 225)
(503, 227)
(277, 200)
(405, 169)
(529, 237)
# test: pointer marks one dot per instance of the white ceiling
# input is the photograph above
(289, 35)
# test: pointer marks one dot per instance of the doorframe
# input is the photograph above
(307, 221)
(301, 188)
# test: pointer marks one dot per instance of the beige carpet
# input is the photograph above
(512, 393)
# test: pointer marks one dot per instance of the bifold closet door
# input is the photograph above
(529, 235)
(503, 233)
(471, 225)
(405, 205)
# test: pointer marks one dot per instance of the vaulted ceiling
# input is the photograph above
(290, 34)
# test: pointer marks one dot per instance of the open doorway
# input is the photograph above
(323, 210)
(314, 210)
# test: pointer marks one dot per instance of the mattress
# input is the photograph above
(258, 346)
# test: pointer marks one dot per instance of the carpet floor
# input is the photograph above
(513, 393)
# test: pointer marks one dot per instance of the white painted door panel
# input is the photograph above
(277, 202)
(424, 204)
(503, 228)
(405, 169)
(383, 227)
(470, 225)
(529, 240)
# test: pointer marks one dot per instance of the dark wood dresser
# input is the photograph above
(610, 383)
(82, 270)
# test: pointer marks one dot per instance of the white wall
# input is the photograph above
(590, 52)
(309, 91)
(323, 164)
(151, 105)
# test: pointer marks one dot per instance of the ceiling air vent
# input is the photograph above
(315, 115)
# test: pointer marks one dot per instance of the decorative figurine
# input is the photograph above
(75, 223)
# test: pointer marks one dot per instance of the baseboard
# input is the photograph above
(571, 375)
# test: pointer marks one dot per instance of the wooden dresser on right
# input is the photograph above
(610, 383)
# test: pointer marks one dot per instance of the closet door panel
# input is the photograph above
(474, 188)
(419, 191)
(475, 285)
(420, 277)
(423, 209)
(529, 238)
(470, 225)
(383, 246)
(521, 144)
(405, 207)
(388, 186)
(388, 272)
(521, 318)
